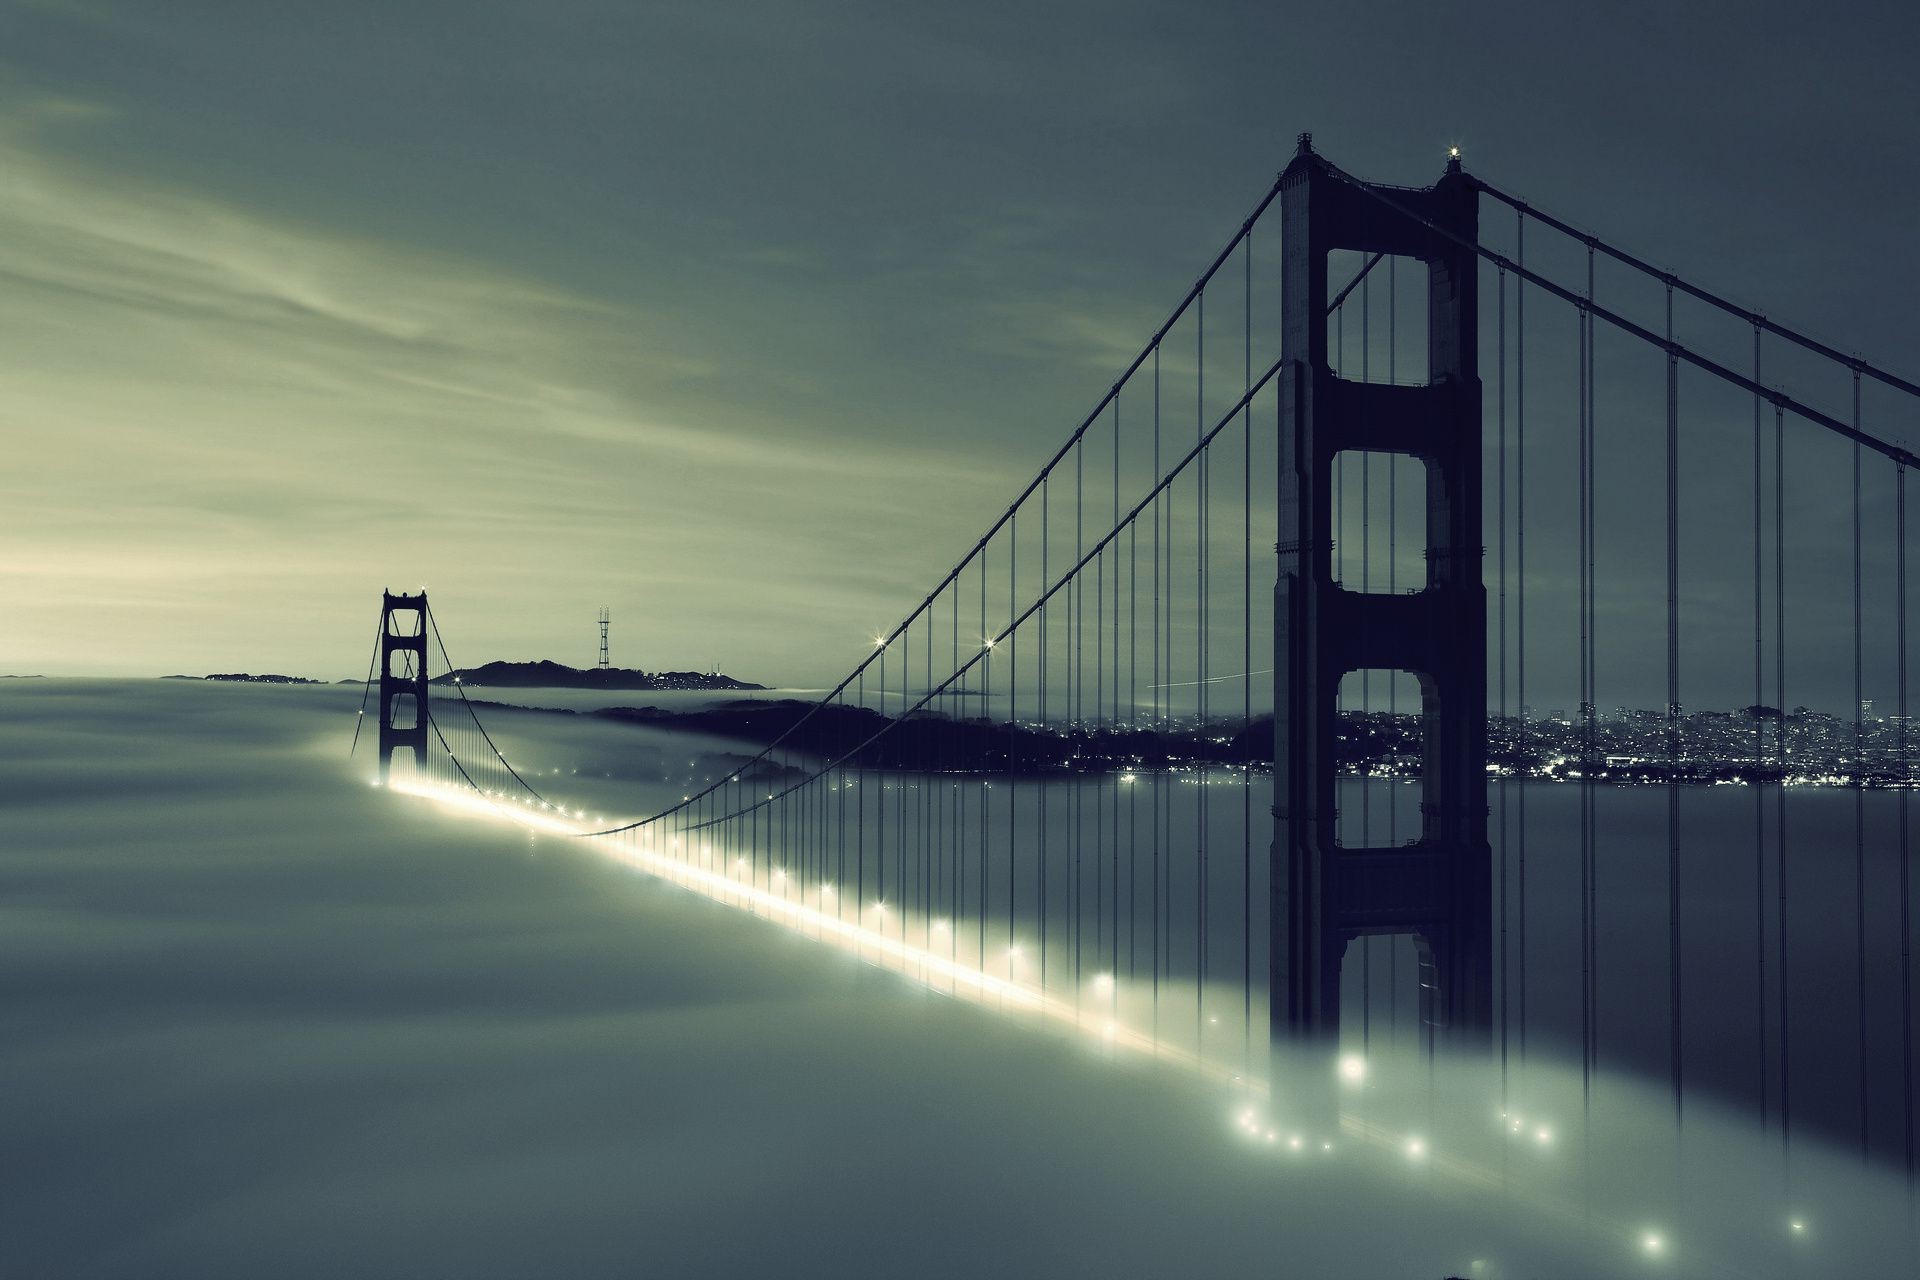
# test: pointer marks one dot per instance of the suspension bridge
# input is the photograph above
(1271, 709)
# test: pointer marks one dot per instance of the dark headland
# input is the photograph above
(557, 675)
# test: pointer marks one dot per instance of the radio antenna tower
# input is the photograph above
(605, 618)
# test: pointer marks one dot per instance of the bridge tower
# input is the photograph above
(403, 678)
(1437, 889)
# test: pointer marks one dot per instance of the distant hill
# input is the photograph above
(243, 677)
(558, 675)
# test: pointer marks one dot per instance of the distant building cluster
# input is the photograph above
(1752, 744)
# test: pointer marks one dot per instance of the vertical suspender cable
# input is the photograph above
(1520, 606)
(1674, 723)
(1041, 712)
(1393, 682)
(968, 762)
(1160, 777)
(1133, 723)
(1759, 749)
(1013, 738)
(859, 819)
(839, 843)
(1087, 730)
(1593, 687)
(880, 809)
(1200, 664)
(1780, 697)
(777, 872)
(1906, 849)
(1113, 724)
(1586, 705)
(963, 786)
(1075, 725)
(1859, 794)
(1102, 846)
(1246, 668)
(1365, 719)
(1500, 539)
(929, 868)
(986, 725)
(900, 794)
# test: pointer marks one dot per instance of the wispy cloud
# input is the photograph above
(205, 400)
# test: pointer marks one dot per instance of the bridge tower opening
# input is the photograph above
(1436, 889)
(403, 678)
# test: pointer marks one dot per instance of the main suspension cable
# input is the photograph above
(981, 656)
(1593, 242)
(453, 674)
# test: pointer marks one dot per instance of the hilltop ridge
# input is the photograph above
(546, 674)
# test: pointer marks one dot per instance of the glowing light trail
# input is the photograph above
(952, 976)
(943, 973)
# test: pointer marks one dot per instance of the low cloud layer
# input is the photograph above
(267, 1019)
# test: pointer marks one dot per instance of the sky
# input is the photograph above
(743, 320)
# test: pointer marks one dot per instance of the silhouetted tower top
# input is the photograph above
(605, 618)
